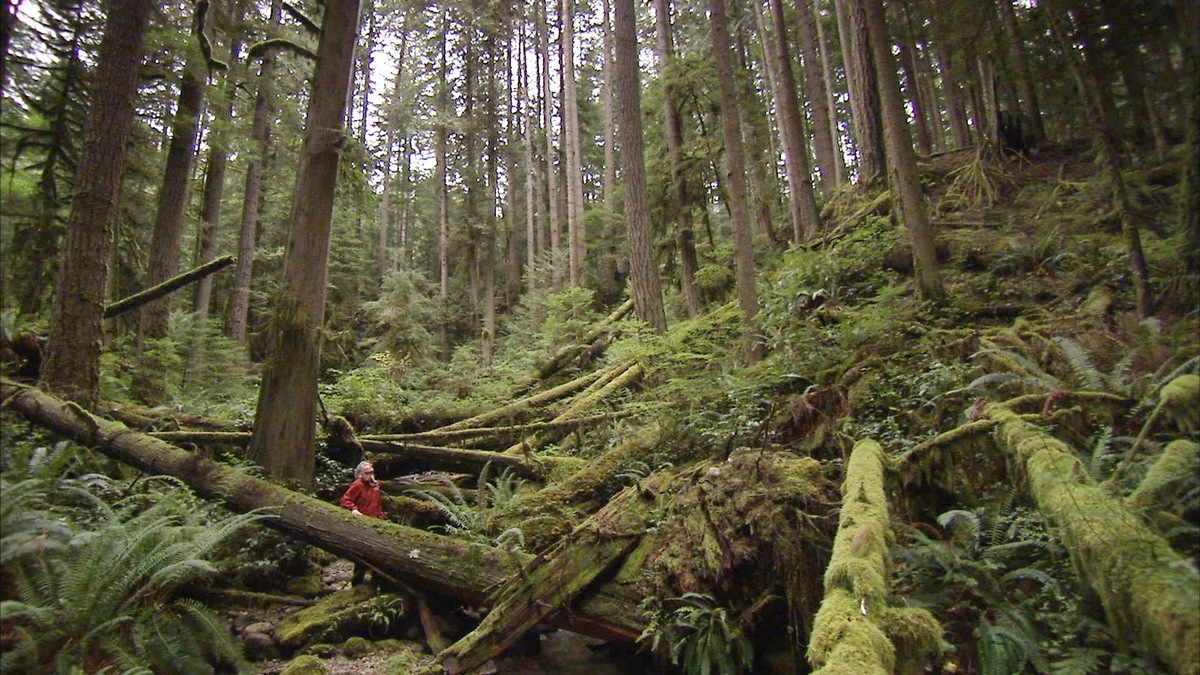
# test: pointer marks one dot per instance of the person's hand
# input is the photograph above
(356, 512)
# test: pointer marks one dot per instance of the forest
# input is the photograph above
(730, 337)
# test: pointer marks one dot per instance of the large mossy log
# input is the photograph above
(553, 580)
(855, 630)
(1150, 593)
(462, 460)
(450, 567)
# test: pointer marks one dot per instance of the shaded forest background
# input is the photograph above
(612, 246)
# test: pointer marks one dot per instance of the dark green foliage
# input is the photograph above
(104, 585)
(699, 636)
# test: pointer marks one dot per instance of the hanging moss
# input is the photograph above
(1173, 472)
(1179, 401)
(1150, 593)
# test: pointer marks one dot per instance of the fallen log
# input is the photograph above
(855, 631)
(1150, 593)
(528, 402)
(553, 580)
(203, 437)
(593, 340)
(619, 376)
(460, 460)
(456, 569)
(154, 292)
(492, 432)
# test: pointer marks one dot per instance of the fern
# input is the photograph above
(109, 596)
(1081, 364)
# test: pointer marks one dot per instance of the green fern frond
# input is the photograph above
(1031, 574)
(1081, 363)
(955, 519)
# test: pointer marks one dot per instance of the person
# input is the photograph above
(365, 498)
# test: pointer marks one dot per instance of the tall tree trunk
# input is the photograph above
(525, 100)
(902, 163)
(163, 257)
(609, 265)
(284, 441)
(685, 237)
(548, 127)
(835, 131)
(757, 139)
(949, 75)
(824, 146)
(864, 95)
(574, 169)
(214, 180)
(908, 66)
(515, 170)
(72, 366)
(392, 132)
(735, 175)
(643, 272)
(238, 311)
(1101, 114)
(441, 204)
(1189, 186)
(1030, 111)
(490, 236)
(805, 219)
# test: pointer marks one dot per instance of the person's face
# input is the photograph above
(369, 475)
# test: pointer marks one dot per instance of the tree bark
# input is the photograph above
(237, 313)
(864, 95)
(902, 162)
(72, 365)
(574, 169)
(825, 147)
(646, 289)
(451, 567)
(548, 128)
(806, 222)
(170, 285)
(285, 421)
(735, 175)
(154, 323)
(685, 238)
(1029, 102)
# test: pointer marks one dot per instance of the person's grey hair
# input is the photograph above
(362, 469)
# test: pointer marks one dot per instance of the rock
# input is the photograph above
(259, 647)
(356, 647)
(305, 665)
(258, 627)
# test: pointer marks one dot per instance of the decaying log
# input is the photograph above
(203, 437)
(459, 460)
(594, 339)
(854, 629)
(450, 567)
(621, 375)
(252, 597)
(553, 580)
(147, 419)
(153, 293)
(535, 400)
(1150, 593)
(441, 435)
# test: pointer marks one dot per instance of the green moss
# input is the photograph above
(844, 640)
(307, 586)
(1174, 471)
(355, 647)
(305, 665)
(1150, 593)
(1179, 401)
(917, 636)
(301, 627)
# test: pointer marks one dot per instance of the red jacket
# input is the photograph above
(368, 499)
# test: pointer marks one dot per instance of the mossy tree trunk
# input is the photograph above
(285, 422)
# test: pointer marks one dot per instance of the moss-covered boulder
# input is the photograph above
(305, 665)
(357, 611)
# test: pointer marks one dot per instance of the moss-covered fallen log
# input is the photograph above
(449, 567)
(552, 580)
(855, 629)
(170, 285)
(1150, 593)
(617, 377)
(595, 339)
(461, 460)
(520, 406)
(491, 433)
